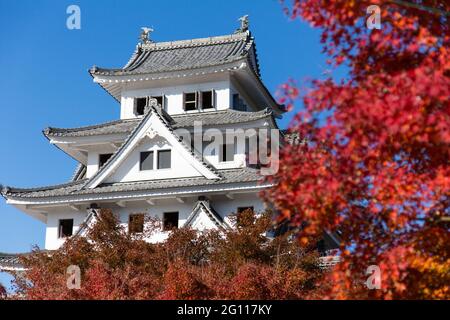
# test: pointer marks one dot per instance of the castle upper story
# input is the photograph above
(214, 81)
(190, 76)
(150, 154)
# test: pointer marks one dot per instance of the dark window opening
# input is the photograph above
(164, 159)
(190, 101)
(65, 228)
(170, 221)
(243, 209)
(140, 105)
(207, 98)
(103, 158)
(136, 223)
(146, 162)
(226, 153)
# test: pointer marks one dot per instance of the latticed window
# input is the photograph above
(190, 101)
(136, 223)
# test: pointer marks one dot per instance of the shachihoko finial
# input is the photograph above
(150, 103)
(244, 24)
(145, 35)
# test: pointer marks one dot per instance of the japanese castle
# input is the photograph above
(143, 163)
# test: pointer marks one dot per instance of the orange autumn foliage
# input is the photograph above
(375, 164)
(234, 264)
(3, 293)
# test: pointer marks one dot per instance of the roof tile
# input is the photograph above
(184, 55)
(241, 175)
(209, 118)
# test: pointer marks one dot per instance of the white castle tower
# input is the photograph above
(143, 163)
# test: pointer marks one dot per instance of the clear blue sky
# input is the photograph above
(45, 80)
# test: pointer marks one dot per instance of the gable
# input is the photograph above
(152, 125)
(204, 217)
(88, 223)
(152, 142)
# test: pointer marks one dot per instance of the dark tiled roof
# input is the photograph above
(42, 191)
(80, 173)
(242, 175)
(224, 117)
(185, 55)
(209, 118)
(9, 261)
(118, 126)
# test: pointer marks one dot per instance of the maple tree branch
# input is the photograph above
(420, 7)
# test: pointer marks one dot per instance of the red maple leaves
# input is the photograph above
(3, 293)
(376, 165)
(237, 264)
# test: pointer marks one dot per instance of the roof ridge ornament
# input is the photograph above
(268, 110)
(244, 24)
(4, 190)
(145, 35)
(151, 103)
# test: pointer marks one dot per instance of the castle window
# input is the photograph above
(65, 228)
(243, 209)
(226, 152)
(164, 159)
(170, 221)
(146, 162)
(139, 105)
(207, 99)
(190, 101)
(136, 223)
(103, 158)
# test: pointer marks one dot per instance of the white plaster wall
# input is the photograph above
(129, 170)
(174, 97)
(202, 222)
(157, 211)
(224, 207)
(239, 160)
(92, 164)
(52, 242)
(243, 95)
(229, 206)
(94, 152)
